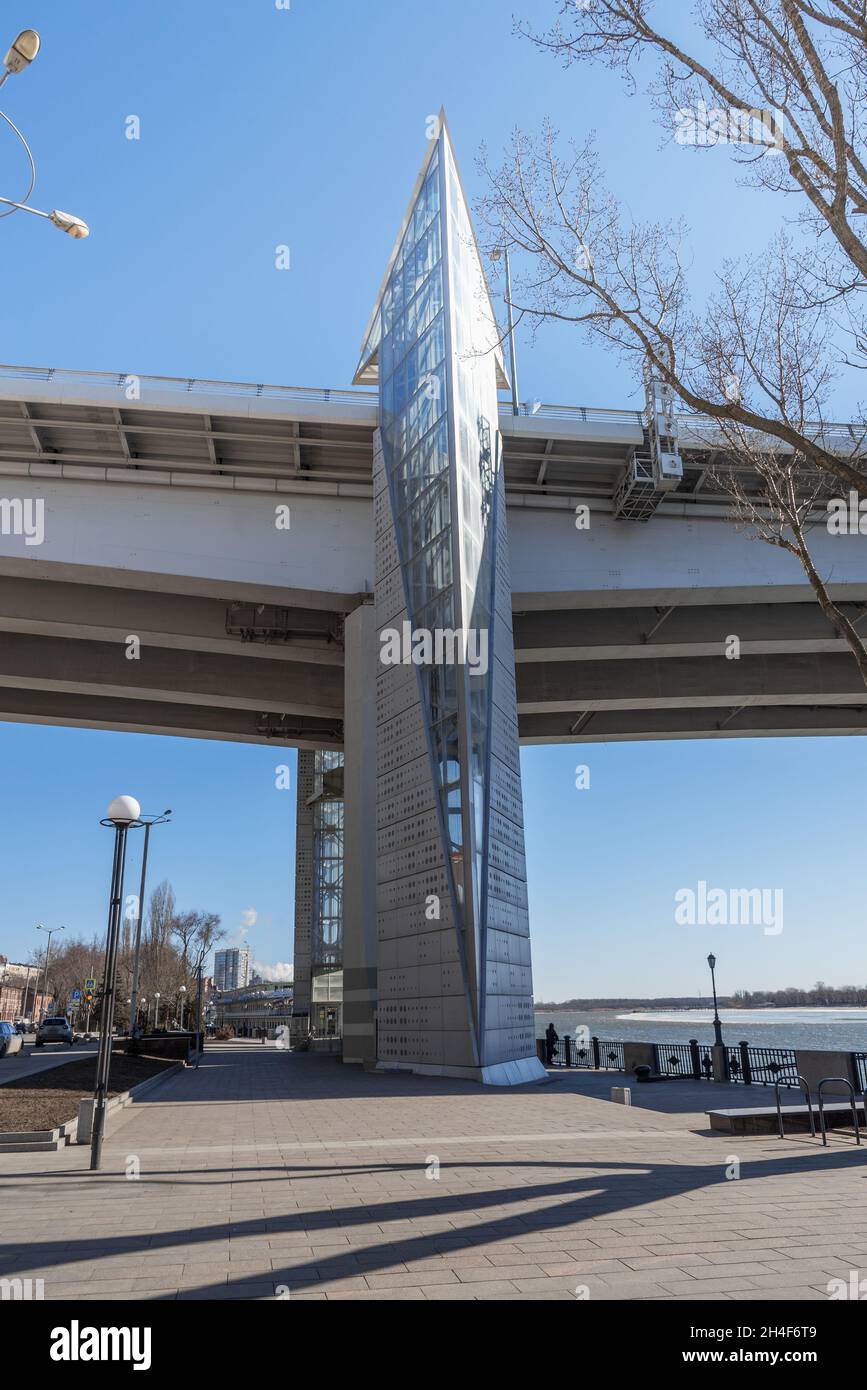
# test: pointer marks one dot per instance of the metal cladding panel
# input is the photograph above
(503, 692)
(396, 693)
(507, 918)
(418, 829)
(510, 890)
(409, 860)
(415, 801)
(508, 947)
(411, 892)
(400, 782)
(390, 600)
(407, 741)
(436, 938)
(504, 738)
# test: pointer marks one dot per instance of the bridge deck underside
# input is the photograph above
(583, 674)
(196, 466)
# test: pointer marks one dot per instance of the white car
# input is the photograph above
(54, 1028)
(10, 1040)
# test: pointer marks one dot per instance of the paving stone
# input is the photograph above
(264, 1169)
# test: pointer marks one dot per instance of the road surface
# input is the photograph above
(34, 1060)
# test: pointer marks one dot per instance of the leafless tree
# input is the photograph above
(785, 499)
(198, 933)
(782, 84)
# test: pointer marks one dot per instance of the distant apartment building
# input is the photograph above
(233, 967)
(21, 994)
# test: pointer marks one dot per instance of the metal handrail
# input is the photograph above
(850, 433)
(826, 1081)
(190, 385)
(785, 1081)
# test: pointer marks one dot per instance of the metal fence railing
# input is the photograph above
(768, 1065)
(746, 1065)
(683, 1059)
(593, 1054)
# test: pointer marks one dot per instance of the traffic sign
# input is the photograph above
(76, 995)
(90, 984)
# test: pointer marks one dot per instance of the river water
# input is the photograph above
(825, 1029)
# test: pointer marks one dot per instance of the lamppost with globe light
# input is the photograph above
(182, 993)
(18, 58)
(123, 815)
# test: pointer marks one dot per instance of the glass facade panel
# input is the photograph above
(414, 407)
(327, 926)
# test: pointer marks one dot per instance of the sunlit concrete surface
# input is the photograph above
(267, 1175)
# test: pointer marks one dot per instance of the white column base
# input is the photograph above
(521, 1072)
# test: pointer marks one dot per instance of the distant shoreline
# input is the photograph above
(654, 1006)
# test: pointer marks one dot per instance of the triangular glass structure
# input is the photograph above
(449, 728)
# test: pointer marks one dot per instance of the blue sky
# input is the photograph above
(305, 127)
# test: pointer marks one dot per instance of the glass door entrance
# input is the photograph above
(327, 1020)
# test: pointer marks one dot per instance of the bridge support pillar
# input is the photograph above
(359, 870)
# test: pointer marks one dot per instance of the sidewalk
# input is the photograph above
(266, 1174)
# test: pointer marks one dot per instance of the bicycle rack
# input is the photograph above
(784, 1080)
(843, 1081)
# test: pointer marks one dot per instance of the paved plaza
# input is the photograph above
(267, 1175)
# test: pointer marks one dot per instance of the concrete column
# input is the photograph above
(303, 882)
(359, 840)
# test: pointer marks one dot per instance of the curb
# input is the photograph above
(69, 1130)
(51, 1140)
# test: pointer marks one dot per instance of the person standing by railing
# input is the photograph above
(552, 1038)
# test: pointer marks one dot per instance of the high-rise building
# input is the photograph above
(232, 967)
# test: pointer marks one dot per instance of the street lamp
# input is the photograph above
(52, 932)
(497, 254)
(18, 58)
(26, 993)
(717, 1026)
(147, 821)
(182, 991)
(123, 815)
(66, 221)
(21, 54)
(157, 998)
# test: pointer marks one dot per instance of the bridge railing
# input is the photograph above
(699, 430)
(189, 385)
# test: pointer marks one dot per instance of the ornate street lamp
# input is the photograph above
(717, 1026)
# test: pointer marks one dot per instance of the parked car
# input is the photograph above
(56, 1028)
(10, 1041)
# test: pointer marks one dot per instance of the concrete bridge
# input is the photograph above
(219, 560)
(160, 523)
